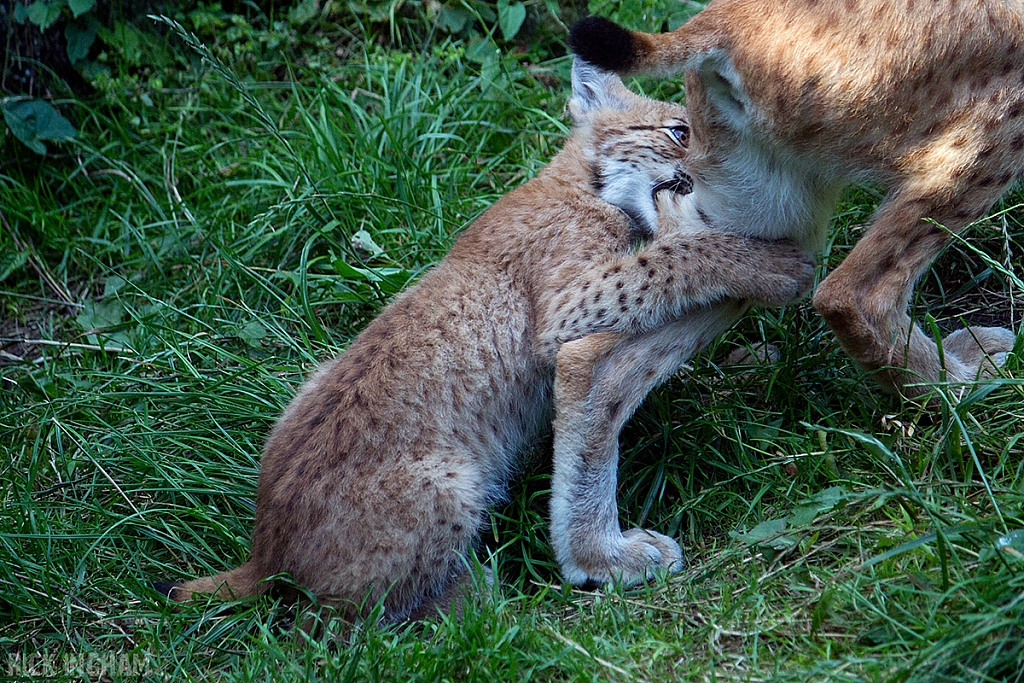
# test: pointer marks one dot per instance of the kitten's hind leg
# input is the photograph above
(600, 380)
(459, 595)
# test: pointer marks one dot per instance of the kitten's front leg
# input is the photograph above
(600, 380)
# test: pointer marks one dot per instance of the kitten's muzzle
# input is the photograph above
(681, 184)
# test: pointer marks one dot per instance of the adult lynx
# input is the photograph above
(791, 99)
(376, 479)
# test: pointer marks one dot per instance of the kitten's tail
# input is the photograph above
(241, 582)
(609, 46)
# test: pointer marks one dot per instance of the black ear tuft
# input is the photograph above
(163, 587)
(603, 43)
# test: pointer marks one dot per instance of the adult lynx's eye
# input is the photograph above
(679, 134)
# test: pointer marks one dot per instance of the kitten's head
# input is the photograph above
(635, 146)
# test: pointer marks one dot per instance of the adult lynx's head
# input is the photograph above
(634, 146)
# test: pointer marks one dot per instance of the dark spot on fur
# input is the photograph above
(642, 261)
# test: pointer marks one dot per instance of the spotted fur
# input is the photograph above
(375, 481)
(790, 100)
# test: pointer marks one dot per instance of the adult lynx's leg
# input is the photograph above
(600, 380)
(865, 299)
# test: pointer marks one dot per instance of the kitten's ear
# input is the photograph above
(594, 89)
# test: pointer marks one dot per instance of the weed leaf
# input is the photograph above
(80, 36)
(33, 121)
(80, 7)
(43, 14)
(511, 17)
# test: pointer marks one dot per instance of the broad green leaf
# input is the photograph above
(454, 19)
(80, 35)
(80, 7)
(112, 285)
(767, 533)
(802, 516)
(483, 51)
(511, 17)
(100, 315)
(253, 332)
(363, 243)
(33, 121)
(390, 280)
(43, 14)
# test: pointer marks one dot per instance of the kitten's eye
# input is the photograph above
(679, 134)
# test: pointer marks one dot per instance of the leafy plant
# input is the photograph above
(80, 31)
(32, 121)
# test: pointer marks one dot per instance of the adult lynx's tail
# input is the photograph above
(241, 582)
(609, 46)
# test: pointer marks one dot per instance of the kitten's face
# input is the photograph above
(636, 146)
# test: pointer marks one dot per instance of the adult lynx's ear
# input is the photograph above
(594, 89)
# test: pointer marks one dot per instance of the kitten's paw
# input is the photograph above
(759, 354)
(638, 555)
(981, 350)
(669, 556)
(784, 275)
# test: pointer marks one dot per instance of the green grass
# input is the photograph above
(179, 281)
